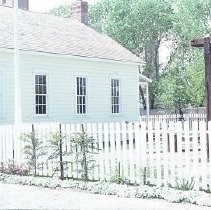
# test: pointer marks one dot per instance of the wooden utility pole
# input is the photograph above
(205, 42)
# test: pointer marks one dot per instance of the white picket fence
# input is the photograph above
(173, 117)
(156, 153)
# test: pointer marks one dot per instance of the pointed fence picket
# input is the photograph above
(141, 152)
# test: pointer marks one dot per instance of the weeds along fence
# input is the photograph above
(150, 153)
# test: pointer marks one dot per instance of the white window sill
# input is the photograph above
(82, 115)
(41, 115)
(117, 115)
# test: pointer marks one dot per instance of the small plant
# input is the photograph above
(85, 147)
(118, 178)
(13, 168)
(56, 141)
(185, 184)
(33, 149)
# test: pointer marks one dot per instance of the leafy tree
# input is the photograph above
(196, 87)
(142, 26)
(133, 24)
(62, 10)
(56, 140)
(33, 149)
(86, 149)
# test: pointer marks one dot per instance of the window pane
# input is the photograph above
(117, 109)
(44, 89)
(44, 109)
(40, 94)
(81, 91)
(84, 100)
(84, 109)
(36, 79)
(78, 90)
(81, 95)
(84, 90)
(40, 109)
(84, 81)
(40, 100)
(40, 79)
(115, 96)
(44, 99)
(36, 89)
(80, 100)
(78, 109)
(40, 89)
(44, 79)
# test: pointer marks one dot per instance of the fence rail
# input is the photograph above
(155, 153)
(174, 117)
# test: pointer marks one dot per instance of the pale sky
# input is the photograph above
(46, 5)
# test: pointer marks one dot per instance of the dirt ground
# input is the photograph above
(27, 197)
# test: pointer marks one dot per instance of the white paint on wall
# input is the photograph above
(61, 85)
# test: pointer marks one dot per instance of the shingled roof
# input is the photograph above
(50, 34)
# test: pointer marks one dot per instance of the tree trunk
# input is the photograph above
(142, 97)
(152, 65)
(60, 154)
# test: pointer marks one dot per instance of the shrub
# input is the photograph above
(13, 168)
(33, 149)
(185, 184)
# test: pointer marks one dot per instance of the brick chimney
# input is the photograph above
(22, 4)
(80, 11)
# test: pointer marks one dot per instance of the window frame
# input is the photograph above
(86, 96)
(47, 93)
(120, 96)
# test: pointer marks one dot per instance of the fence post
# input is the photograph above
(61, 153)
(195, 154)
(203, 145)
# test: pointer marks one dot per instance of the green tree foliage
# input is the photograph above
(56, 141)
(133, 24)
(142, 26)
(86, 150)
(196, 87)
(173, 88)
(33, 149)
(62, 10)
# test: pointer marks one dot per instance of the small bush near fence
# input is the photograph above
(15, 169)
(84, 149)
(33, 149)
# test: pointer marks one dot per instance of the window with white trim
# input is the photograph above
(1, 96)
(115, 96)
(81, 96)
(40, 94)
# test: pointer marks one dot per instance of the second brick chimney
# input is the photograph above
(80, 11)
